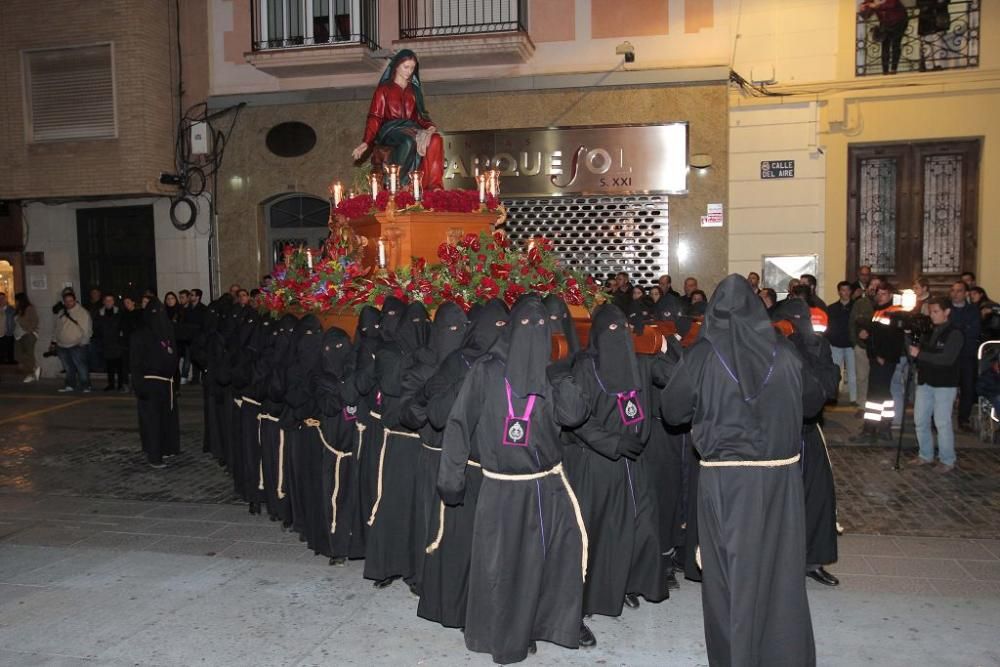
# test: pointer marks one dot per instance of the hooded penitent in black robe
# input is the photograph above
(560, 321)
(817, 475)
(215, 357)
(336, 406)
(605, 468)
(447, 334)
(223, 385)
(240, 360)
(272, 435)
(367, 338)
(741, 387)
(303, 450)
(445, 581)
(528, 548)
(200, 357)
(389, 546)
(250, 401)
(153, 365)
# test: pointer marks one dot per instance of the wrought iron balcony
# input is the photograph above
(936, 35)
(286, 24)
(314, 37)
(439, 18)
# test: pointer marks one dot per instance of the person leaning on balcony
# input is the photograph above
(892, 20)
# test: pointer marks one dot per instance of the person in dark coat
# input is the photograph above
(367, 338)
(817, 474)
(741, 387)
(445, 579)
(153, 365)
(249, 403)
(108, 335)
(604, 466)
(389, 549)
(130, 319)
(529, 548)
(272, 434)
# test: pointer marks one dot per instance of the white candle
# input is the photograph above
(374, 184)
(338, 193)
(309, 257)
(393, 178)
(482, 187)
(493, 187)
(381, 253)
(417, 193)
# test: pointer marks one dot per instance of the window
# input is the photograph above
(913, 210)
(282, 24)
(297, 220)
(69, 93)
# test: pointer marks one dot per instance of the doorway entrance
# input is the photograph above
(117, 250)
(913, 211)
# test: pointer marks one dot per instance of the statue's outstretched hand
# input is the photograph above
(359, 151)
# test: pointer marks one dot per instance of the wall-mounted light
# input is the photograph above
(701, 161)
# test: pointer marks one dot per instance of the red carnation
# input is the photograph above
(500, 271)
(487, 289)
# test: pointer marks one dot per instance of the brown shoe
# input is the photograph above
(917, 461)
(944, 469)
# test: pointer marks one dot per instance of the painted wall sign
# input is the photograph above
(777, 169)
(630, 159)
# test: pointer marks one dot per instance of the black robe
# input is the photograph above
(272, 434)
(444, 582)
(336, 402)
(304, 450)
(153, 366)
(389, 544)
(367, 339)
(526, 579)
(250, 403)
(817, 474)
(741, 385)
(619, 506)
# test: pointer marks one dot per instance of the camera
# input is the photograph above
(916, 325)
(51, 352)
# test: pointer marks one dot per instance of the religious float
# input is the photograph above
(398, 232)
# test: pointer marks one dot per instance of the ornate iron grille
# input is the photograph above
(877, 214)
(598, 235)
(941, 35)
(942, 214)
(434, 18)
(285, 24)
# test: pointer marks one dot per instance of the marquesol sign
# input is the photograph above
(620, 159)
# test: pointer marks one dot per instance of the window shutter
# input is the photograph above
(70, 93)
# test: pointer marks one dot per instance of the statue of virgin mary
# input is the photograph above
(398, 120)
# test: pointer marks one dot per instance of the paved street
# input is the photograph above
(105, 561)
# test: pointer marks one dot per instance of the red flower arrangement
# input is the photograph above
(446, 201)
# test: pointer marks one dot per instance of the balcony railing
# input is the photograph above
(285, 24)
(944, 35)
(438, 18)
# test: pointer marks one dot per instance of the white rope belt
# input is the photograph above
(374, 414)
(433, 546)
(361, 437)
(775, 463)
(247, 399)
(238, 402)
(826, 448)
(169, 381)
(336, 471)
(281, 454)
(557, 470)
(260, 465)
(381, 464)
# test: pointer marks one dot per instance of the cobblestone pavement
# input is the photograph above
(105, 561)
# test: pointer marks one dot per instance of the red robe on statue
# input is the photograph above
(390, 102)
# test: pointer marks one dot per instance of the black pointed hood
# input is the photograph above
(739, 330)
(393, 311)
(528, 346)
(612, 352)
(560, 321)
(414, 331)
(154, 318)
(486, 327)
(448, 330)
(337, 354)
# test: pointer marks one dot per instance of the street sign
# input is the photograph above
(777, 169)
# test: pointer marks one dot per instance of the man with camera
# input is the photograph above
(73, 329)
(938, 376)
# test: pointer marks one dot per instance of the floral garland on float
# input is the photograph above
(473, 270)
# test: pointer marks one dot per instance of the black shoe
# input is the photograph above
(414, 589)
(285, 525)
(532, 647)
(338, 561)
(672, 583)
(631, 601)
(823, 577)
(384, 583)
(254, 508)
(866, 436)
(158, 466)
(587, 638)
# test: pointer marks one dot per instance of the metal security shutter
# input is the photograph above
(70, 93)
(598, 235)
